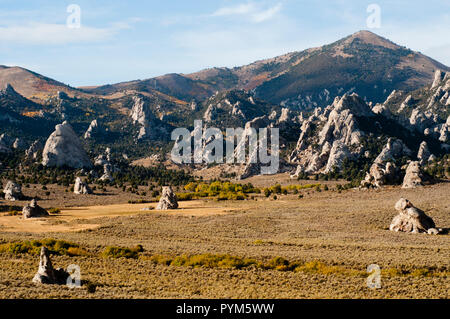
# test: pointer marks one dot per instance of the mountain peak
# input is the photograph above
(8, 90)
(371, 38)
(363, 33)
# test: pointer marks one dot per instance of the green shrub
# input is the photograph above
(55, 247)
(159, 259)
(279, 263)
(76, 251)
(122, 252)
(220, 190)
(185, 196)
(54, 210)
(212, 261)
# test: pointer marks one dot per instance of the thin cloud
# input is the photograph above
(36, 33)
(267, 14)
(236, 10)
(254, 12)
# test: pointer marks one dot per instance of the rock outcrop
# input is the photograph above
(168, 199)
(424, 110)
(406, 104)
(103, 159)
(233, 108)
(17, 144)
(338, 153)
(382, 110)
(13, 191)
(47, 274)
(424, 154)
(394, 149)
(380, 174)
(252, 167)
(285, 116)
(108, 168)
(383, 170)
(33, 210)
(444, 133)
(414, 176)
(411, 219)
(142, 116)
(193, 106)
(438, 77)
(338, 139)
(107, 176)
(81, 187)
(32, 152)
(92, 129)
(63, 148)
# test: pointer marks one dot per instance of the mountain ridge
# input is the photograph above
(30, 84)
(306, 79)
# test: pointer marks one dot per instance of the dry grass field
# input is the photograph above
(331, 237)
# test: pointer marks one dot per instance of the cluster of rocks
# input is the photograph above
(105, 161)
(412, 220)
(7, 145)
(420, 113)
(386, 173)
(334, 134)
(63, 148)
(339, 138)
(237, 106)
(383, 171)
(310, 101)
(168, 199)
(253, 163)
(240, 108)
(380, 174)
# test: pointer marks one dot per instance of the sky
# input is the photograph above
(83, 43)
